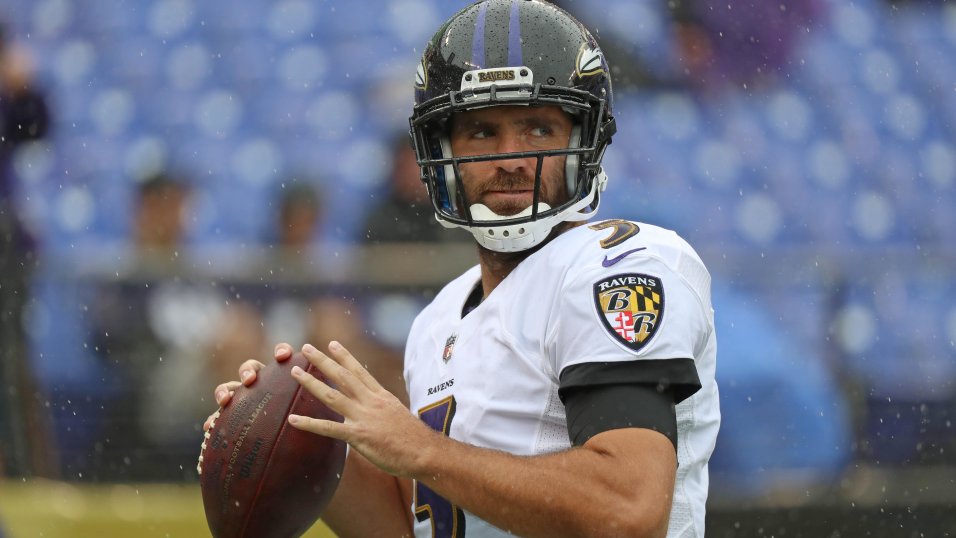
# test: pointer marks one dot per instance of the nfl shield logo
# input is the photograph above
(449, 347)
(631, 307)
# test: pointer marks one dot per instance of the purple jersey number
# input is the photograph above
(447, 519)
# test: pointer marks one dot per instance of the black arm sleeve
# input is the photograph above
(636, 394)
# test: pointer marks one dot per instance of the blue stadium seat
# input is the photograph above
(641, 28)
(222, 18)
(924, 33)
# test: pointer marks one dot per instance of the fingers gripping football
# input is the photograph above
(248, 372)
(350, 388)
(376, 423)
(331, 397)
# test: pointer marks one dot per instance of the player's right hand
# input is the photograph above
(247, 374)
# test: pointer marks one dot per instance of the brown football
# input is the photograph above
(259, 476)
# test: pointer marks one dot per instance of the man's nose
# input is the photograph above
(513, 144)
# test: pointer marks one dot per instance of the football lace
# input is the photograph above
(206, 436)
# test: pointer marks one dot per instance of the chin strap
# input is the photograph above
(518, 237)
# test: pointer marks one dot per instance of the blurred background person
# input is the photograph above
(174, 399)
(709, 46)
(304, 302)
(774, 379)
(160, 217)
(403, 213)
(300, 212)
(738, 44)
(24, 117)
(294, 244)
(400, 227)
(146, 322)
(299, 262)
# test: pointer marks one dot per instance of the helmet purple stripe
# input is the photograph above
(478, 41)
(514, 36)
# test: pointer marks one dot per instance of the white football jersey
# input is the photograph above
(611, 291)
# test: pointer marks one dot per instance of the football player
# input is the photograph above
(564, 386)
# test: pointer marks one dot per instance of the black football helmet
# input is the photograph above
(516, 53)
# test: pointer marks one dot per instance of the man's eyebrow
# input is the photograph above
(534, 120)
(524, 121)
(470, 123)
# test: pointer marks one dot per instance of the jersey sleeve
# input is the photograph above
(638, 310)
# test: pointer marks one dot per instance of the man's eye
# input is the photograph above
(481, 134)
(541, 131)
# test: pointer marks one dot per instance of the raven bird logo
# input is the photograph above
(421, 78)
(590, 61)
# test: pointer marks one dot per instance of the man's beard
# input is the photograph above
(504, 181)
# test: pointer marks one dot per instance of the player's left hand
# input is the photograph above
(377, 424)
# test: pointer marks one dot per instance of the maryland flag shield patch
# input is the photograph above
(631, 307)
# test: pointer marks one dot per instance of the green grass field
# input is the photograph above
(48, 509)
